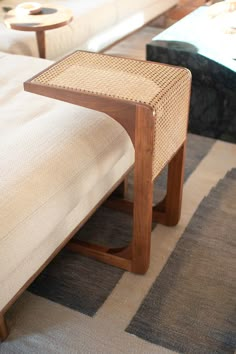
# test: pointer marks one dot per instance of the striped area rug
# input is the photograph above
(186, 301)
(191, 305)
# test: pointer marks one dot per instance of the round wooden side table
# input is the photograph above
(48, 18)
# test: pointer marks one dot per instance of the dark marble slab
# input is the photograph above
(208, 54)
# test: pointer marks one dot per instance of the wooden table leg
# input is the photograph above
(143, 191)
(175, 187)
(40, 35)
(168, 211)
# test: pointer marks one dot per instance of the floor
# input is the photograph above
(133, 46)
(183, 9)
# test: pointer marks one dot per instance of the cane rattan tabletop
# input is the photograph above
(120, 78)
(164, 88)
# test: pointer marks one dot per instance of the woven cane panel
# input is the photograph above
(164, 88)
(171, 123)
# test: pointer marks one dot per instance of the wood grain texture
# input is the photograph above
(143, 190)
(118, 257)
(175, 187)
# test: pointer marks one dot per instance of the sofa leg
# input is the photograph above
(121, 190)
(3, 328)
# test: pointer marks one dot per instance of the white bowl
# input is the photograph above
(28, 8)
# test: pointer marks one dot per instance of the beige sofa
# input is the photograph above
(96, 24)
(57, 162)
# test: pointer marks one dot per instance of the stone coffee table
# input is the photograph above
(200, 44)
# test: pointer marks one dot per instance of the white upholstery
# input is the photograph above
(96, 24)
(57, 161)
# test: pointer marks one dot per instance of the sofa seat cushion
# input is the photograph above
(53, 155)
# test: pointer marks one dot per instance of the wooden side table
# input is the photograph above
(151, 102)
(50, 17)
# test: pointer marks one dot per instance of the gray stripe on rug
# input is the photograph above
(191, 305)
(84, 284)
(77, 282)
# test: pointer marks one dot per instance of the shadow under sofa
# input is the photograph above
(57, 164)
